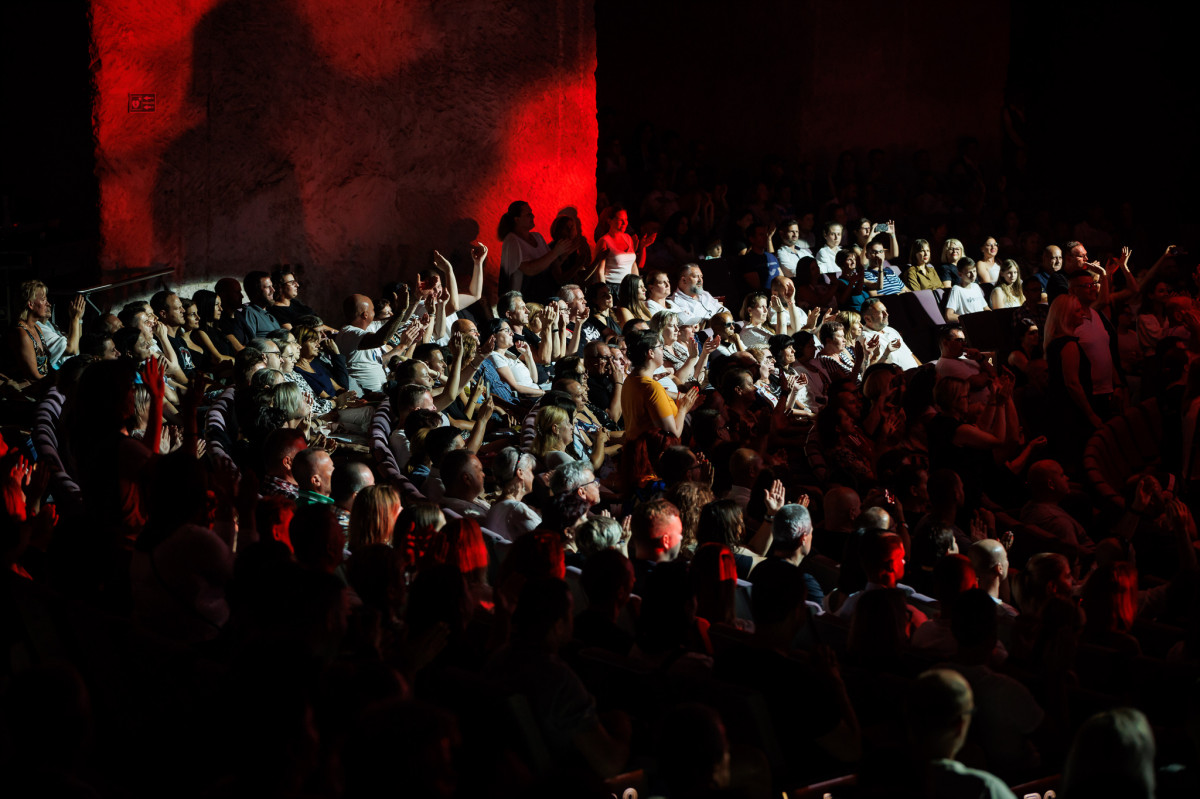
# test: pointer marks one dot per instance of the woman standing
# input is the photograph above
(619, 254)
(524, 251)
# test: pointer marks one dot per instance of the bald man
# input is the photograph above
(989, 559)
(364, 342)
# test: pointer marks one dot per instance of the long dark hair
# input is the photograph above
(508, 222)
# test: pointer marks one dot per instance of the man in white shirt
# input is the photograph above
(791, 250)
(364, 342)
(970, 364)
(693, 304)
(832, 233)
(875, 324)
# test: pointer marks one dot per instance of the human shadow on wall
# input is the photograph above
(226, 198)
(299, 161)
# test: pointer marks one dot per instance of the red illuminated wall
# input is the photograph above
(352, 136)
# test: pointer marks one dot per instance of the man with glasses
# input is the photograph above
(1097, 336)
(604, 380)
(287, 309)
(878, 270)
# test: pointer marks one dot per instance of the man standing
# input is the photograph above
(364, 342)
(875, 324)
(693, 304)
(1097, 336)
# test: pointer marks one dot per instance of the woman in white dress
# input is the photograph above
(524, 251)
(619, 254)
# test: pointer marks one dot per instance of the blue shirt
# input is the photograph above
(892, 284)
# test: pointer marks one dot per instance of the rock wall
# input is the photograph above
(349, 136)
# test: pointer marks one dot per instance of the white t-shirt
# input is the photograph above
(902, 357)
(966, 299)
(516, 251)
(520, 371)
(788, 258)
(825, 260)
(512, 519)
(365, 366)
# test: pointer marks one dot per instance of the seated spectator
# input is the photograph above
(373, 519)
(882, 557)
(967, 296)
(693, 304)
(792, 541)
(608, 582)
(562, 707)
(1112, 755)
(721, 523)
(989, 559)
(462, 474)
(830, 732)
(509, 516)
(952, 576)
(1048, 487)
(598, 533)
(878, 272)
(892, 347)
(364, 341)
(1006, 713)
(939, 709)
(657, 534)
(1110, 603)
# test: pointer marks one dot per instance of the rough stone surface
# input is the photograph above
(350, 136)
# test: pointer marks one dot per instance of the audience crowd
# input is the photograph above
(711, 499)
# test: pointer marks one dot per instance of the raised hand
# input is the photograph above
(688, 400)
(710, 345)
(775, 497)
(153, 371)
(479, 251)
(77, 307)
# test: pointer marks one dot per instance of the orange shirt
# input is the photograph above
(643, 404)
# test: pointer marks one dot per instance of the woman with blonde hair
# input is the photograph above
(373, 516)
(952, 253)
(1007, 293)
(553, 432)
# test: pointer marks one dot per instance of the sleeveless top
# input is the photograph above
(617, 265)
(39, 352)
